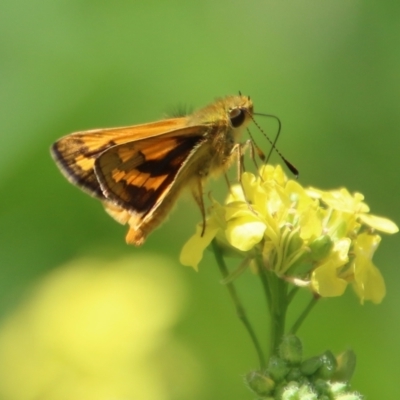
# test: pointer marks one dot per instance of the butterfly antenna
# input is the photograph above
(290, 166)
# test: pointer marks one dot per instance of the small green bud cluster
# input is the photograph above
(289, 377)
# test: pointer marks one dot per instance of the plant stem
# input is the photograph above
(303, 315)
(292, 293)
(278, 311)
(275, 290)
(238, 305)
(265, 283)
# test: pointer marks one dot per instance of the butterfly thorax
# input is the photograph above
(220, 136)
(139, 171)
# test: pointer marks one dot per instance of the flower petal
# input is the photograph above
(368, 281)
(379, 223)
(192, 251)
(325, 280)
(245, 232)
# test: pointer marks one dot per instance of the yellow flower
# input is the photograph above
(367, 282)
(325, 279)
(314, 238)
(235, 227)
(342, 200)
(192, 251)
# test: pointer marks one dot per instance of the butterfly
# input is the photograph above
(139, 171)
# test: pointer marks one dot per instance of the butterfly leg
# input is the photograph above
(239, 149)
(239, 154)
(197, 191)
(227, 182)
(254, 149)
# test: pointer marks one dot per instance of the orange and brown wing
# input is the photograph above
(75, 154)
(138, 175)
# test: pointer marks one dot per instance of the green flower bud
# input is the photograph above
(294, 375)
(303, 380)
(322, 387)
(291, 349)
(321, 247)
(346, 366)
(295, 243)
(277, 368)
(328, 367)
(260, 383)
(310, 366)
(301, 267)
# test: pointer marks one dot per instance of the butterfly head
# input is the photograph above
(239, 110)
(228, 112)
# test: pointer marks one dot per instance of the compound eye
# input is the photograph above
(237, 117)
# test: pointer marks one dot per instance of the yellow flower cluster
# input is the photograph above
(323, 240)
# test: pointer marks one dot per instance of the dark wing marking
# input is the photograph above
(137, 175)
(75, 154)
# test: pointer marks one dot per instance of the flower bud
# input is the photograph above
(260, 383)
(346, 366)
(310, 366)
(322, 387)
(321, 247)
(294, 375)
(277, 368)
(328, 367)
(295, 243)
(291, 349)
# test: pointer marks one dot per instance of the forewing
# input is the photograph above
(138, 175)
(75, 154)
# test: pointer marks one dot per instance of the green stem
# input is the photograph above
(264, 281)
(292, 293)
(275, 290)
(303, 315)
(238, 305)
(278, 311)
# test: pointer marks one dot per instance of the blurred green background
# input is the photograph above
(329, 70)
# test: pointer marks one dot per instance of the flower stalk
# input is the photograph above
(240, 311)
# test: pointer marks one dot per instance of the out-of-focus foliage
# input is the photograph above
(329, 70)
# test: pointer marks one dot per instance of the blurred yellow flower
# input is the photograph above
(314, 238)
(99, 330)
